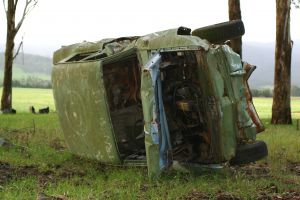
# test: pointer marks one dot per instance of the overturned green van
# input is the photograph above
(169, 97)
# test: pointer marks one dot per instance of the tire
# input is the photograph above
(219, 33)
(250, 153)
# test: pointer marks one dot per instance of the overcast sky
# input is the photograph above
(61, 22)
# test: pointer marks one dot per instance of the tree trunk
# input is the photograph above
(281, 109)
(6, 100)
(235, 13)
(12, 30)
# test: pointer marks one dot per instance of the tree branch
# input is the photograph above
(296, 3)
(4, 6)
(18, 50)
(30, 4)
(16, 3)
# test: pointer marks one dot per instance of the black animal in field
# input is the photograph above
(44, 110)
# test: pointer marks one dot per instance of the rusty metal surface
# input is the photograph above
(250, 107)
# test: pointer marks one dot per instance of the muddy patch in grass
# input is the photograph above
(272, 192)
(43, 196)
(9, 172)
(195, 195)
(5, 172)
(294, 167)
(288, 195)
(57, 144)
(227, 196)
(252, 171)
(221, 195)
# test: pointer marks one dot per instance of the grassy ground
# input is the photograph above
(39, 164)
(264, 107)
(25, 97)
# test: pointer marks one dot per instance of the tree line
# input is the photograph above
(31, 82)
(268, 92)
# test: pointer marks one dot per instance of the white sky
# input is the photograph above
(60, 22)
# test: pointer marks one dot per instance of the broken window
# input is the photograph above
(79, 57)
(122, 82)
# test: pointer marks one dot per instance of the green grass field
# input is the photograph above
(23, 98)
(40, 163)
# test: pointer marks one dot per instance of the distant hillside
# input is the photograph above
(263, 56)
(29, 65)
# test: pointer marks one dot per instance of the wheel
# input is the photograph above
(219, 33)
(250, 153)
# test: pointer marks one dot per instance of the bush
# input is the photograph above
(295, 91)
(266, 92)
(32, 82)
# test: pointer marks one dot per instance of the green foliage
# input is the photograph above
(28, 80)
(295, 91)
(267, 92)
(32, 82)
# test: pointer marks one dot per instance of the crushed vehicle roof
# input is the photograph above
(159, 40)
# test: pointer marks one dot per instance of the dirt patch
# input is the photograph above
(9, 172)
(43, 196)
(290, 195)
(294, 167)
(57, 144)
(5, 172)
(20, 136)
(253, 170)
(263, 196)
(195, 195)
(227, 196)
(47, 177)
(271, 192)
(267, 192)
(68, 173)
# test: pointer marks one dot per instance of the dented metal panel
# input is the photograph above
(219, 72)
(81, 106)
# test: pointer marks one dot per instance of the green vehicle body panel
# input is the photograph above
(81, 99)
(147, 95)
(88, 130)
